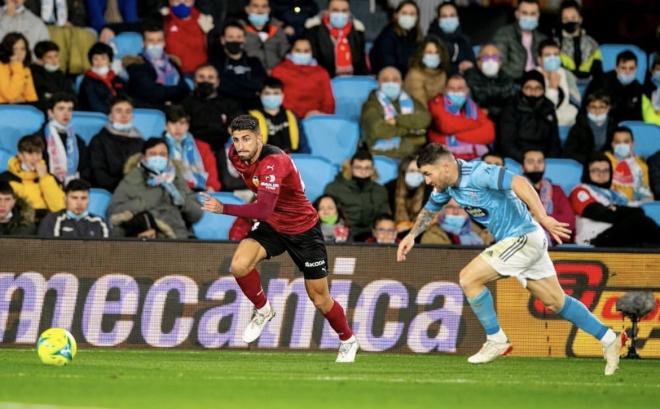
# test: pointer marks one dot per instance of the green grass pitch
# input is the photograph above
(116, 378)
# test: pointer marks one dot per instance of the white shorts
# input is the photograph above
(524, 257)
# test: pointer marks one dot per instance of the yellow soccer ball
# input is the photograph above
(56, 346)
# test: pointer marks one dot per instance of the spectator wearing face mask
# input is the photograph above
(408, 194)
(299, 73)
(518, 42)
(185, 34)
(459, 123)
(580, 53)
(447, 28)
(338, 40)
(393, 123)
(114, 144)
(593, 128)
(491, 89)
(651, 97)
(623, 88)
(630, 175)
(155, 80)
(333, 222)
(604, 217)
(552, 197)
(398, 40)
(428, 70)
(560, 84)
(46, 73)
(264, 37)
(100, 83)
(453, 226)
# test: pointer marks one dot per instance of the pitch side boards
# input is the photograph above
(179, 294)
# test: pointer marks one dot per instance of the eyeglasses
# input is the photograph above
(380, 230)
(599, 171)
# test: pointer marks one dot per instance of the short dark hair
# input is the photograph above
(175, 113)
(597, 96)
(623, 129)
(31, 144)
(43, 47)
(548, 42)
(6, 189)
(429, 154)
(244, 123)
(272, 82)
(119, 99)
(626, 55)
(528, 150)
(61, 97)
(492, 153)
(100, 49)
(570, 4)
(379, 218)
(77, 185)
(362, 154)
(151, 26)
(232, 23)
(151, 142)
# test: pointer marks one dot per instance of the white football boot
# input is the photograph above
(256, 326)
(490, 351)
(612, 353)
(347, 350)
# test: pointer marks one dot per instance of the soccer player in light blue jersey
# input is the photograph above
(499, 200)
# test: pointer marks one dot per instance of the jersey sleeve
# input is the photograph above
(436, 201)
(492, 177)
(270, 173)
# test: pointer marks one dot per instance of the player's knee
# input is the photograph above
(320, 301)
(239, 267)
(553, 305)
(465, 280)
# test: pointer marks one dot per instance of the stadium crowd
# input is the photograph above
(205, 62)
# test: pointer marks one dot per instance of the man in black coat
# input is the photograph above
(46, 73)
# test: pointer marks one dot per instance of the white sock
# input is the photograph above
(351, 339)
(265, 309)
(499, 337)
(608, 338)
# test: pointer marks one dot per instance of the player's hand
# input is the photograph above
(557, 230)
(211, 204)
(404, 247)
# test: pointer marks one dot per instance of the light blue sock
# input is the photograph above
(484, 308)
(575, 312)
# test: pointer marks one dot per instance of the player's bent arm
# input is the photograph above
(261, 209)
(526, 192)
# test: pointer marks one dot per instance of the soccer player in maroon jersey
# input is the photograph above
(286, 221)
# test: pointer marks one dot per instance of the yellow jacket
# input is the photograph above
(630, 178)
(40, 193)
(16, 84)
(650, 115)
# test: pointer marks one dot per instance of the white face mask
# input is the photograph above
(101, 71)
(51, 67)
(490, 68)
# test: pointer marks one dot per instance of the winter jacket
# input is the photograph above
(95, 94)
(298, 80)
(282, 130)
(580, 142)
(649, 113)
(146, 91)
(269, 52)
(84, 166)
(323, 46)
(508, 40)
(186, 40)
(392, 49)
(16, 84)
(21, 222)
(524, 127)
(60, 225)
(42, 193)
(360, 204)
(210, 118)
(24, 22)
(583, 49)
(134, 195)
(566, 97)
(108, 152)
(626, 100)
(424, 84)
(458, 45)
(411, 128)
(465, 137)
(240, 79)
(49, 83)
(491, 94)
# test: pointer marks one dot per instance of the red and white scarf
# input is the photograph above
(343, 56)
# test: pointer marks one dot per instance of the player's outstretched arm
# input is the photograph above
(424, 219)
(525, 191)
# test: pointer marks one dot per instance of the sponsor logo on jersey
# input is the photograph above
(476, 212)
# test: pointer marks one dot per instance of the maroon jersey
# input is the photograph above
(275, 173)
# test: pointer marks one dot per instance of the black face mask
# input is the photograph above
(570, 27)
(532, 101)
(234, 47)
(534, 177)
(205, 89)
(361, 182)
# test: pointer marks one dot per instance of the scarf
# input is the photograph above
(406, 106)
(62, 161)
(460, 149)
(343, 56)
(471, 110)
(545, 194)
(187, 153)
(165, 180)
(606, 197)
(628, 178)
(51, 7)
(166, 73)
(107, 80)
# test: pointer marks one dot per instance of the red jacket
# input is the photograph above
(210, 164)
(306, 88)
(480, 131)
(186, 40)
(562, 210)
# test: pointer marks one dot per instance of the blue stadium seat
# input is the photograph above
(387, 168)
(17, 121)
(190, 83)
(652, 210)
(610, 51)
(350, 93)
(476, 49)
(99, 200)
(150, 122)
(316, 173)
(333, 138)
(563, 134)
(513, 166)
(216, 226)
(563, 172)
(4, 158)
(88, 124)
(647, 137)
(76, 86)
(128, 43)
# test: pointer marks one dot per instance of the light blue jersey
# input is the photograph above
(484, 191)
